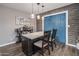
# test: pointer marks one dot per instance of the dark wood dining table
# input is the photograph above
(28, 40)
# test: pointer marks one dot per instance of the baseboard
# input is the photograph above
(7, 44)
(71, 45)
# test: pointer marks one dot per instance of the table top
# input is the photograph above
(33, 35)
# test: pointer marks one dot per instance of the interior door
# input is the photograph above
(58, 22)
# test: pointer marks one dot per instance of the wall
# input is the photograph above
(73, 21)
(7, 24)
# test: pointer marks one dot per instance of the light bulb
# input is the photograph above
(32, 16)
(38, 16)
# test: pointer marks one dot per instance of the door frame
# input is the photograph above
(66, 22)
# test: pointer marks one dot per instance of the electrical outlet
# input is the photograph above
(68, 25)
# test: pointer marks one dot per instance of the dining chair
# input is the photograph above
(53, 38)
(19, 32)
(44, 42)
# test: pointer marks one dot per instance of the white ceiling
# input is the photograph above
(27, 7)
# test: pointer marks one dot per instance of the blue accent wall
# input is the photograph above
(57, 22)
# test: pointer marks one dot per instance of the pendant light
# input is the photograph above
(32, 15)
(38, 16)
(42, 7)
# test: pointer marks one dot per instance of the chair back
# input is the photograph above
(47, 35)
(54, 33)
(46, 38)
(18, 31)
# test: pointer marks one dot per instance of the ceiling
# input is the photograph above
(27, 7)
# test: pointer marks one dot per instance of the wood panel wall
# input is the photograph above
(73, 21)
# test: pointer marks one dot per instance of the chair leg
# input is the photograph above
(42, 52)
(48, 50)
(52, 45)
(55, 43)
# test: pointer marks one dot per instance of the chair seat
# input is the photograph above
(52, 40)
(39, 44)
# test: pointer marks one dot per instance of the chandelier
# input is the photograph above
(33, 15)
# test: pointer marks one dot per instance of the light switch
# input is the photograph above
(68, 25)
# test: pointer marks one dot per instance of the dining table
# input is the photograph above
(28, 40)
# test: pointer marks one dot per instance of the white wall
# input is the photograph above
(7, 24)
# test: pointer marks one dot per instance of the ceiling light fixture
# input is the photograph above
(42, 7)
(32, 15)
(38, 16)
